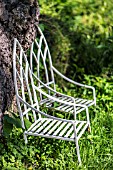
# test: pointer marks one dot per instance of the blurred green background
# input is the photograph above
(80, 35)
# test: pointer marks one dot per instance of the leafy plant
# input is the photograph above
(10, 121)
(82, 34)
(95, 147)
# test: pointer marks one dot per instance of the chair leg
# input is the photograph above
(88, 121)
(78, 151)
(25, 138)
(89, 128)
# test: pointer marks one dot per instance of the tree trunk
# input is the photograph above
(17, 19)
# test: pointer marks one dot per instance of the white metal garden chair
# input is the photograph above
(36, 89)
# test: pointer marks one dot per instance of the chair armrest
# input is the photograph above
(64, 102)
(58, 100)
(44, 114)
(53, 98)
(76, 83)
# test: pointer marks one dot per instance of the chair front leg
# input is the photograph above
(88, 121)
(76, 143)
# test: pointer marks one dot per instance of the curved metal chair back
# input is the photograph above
(41, 62)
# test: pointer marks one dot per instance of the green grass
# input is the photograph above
(96, 148)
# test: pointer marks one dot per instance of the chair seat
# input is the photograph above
(57, 129)
(64, 107)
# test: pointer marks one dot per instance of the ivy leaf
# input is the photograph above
(27, 123)
(17, 123)
(7, 128)
(13, 121)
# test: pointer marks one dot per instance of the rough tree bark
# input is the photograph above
(18, 18)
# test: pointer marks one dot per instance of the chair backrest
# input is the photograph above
(41, 62)
(36, 61)
(24, 85)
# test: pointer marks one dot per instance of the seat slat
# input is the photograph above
(49, 126)
(36, 127)
(63, 105)
(43, 126)
(34, 124)
(50, 101)
(66, 108)
(65, 98)
(65, 129)
(40, 123)
(69, 108)
(54, 127)
(88, 103)
(44, 101)
(80, 109)
(81, 123)
(83, 101)
(78, 100)
(59, 128)
(85, 127)
(79, 127)
(69, 132)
